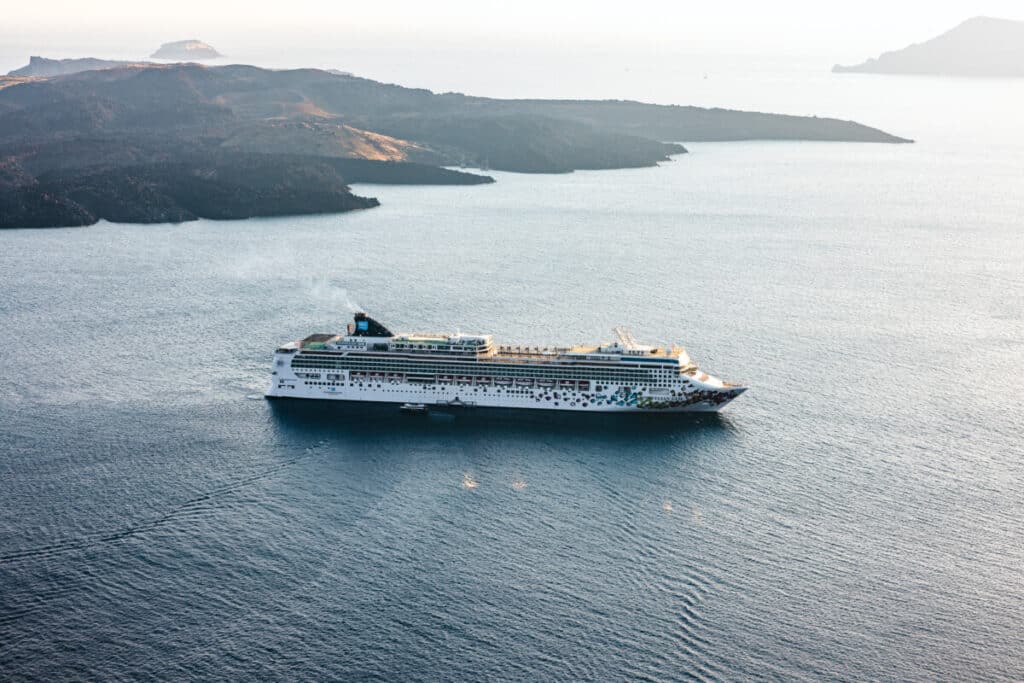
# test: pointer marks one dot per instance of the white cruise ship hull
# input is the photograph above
(609, 400)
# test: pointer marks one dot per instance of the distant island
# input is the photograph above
(156, 143)
(41, 66)
(979, 47)
(187, 50)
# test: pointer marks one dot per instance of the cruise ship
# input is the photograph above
(423, 372)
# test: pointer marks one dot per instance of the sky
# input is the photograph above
(785, 27)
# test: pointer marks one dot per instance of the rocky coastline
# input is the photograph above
(174, 142)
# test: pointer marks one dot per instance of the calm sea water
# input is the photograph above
(856, 515)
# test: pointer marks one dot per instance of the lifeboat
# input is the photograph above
(584, 385)
(504, 381)
(545, 382)
(444, 378)
(524, 382)
(483, 381)
(567, 384)
(464, 379)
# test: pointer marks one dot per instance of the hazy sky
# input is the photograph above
(781, 26)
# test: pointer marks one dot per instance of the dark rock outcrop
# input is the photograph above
(225, 187)
(220, 185)
(25, 204)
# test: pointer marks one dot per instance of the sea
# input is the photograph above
(857, 515)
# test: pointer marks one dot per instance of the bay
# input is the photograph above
(856, 514)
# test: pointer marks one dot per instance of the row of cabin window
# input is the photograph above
(395, 366)
(566, 376)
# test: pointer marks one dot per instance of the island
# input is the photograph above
(155, 143)
(979, 47)
(41, 66)
(187, 50)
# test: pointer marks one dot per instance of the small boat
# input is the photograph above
(455, 403)
(414, 408)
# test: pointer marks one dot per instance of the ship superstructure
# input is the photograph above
(370, 363)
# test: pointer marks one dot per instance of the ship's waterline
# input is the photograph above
(370, 364)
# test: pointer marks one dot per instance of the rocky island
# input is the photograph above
(186, 50)
(979, 47)
(155, 143)
(41, 66)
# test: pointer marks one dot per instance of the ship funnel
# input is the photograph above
(365, 326)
